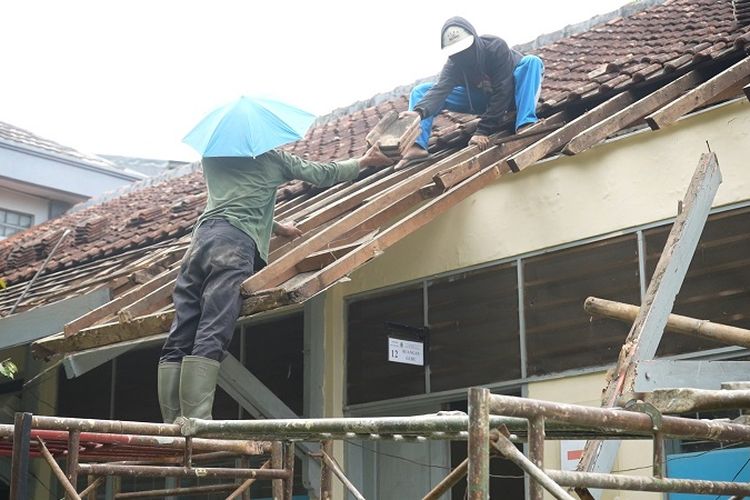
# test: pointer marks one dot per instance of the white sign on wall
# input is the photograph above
(405, 351)
(571, 452)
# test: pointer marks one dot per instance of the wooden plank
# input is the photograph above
(321, 259)
(451, 176)
(699, 95)
(115, 305)
(283, 268)
(647, 330)
(564, 134)
(657, 374)
(151, 302)
(146, 326)
(631, 114)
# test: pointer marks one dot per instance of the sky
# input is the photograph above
(132, 77)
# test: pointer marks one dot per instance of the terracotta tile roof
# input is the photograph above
(614, 56)
(626, 51)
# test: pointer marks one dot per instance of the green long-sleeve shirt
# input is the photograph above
(242, 190)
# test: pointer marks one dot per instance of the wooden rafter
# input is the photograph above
(557, 139)
(631, 114)
(699, 95)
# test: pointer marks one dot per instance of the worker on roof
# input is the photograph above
(482, 76)
(229, 244)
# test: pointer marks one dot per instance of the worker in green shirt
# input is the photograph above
(229, 244)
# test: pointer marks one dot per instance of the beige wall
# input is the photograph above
(632, 181)
(586, 390)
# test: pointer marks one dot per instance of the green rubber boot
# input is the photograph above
(197, 386)
(168, 389)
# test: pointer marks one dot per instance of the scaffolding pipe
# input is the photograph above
(320, 429)
(449, 481)
(326, 481)
(70, 491)
(536, 454)
(187, 491)
(509, 450)
(638, 483)
(725, 334)
(246, 485)
(289, 466)
(108, 426)
(91, 488)
(166, 471)
(608, 418)
(221, 433)
(331, 464)
(479, 444)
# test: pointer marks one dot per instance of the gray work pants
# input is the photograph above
(207, 297)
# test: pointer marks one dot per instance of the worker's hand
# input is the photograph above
(288, 230)
(374, 157)
(480, 141)
(407, 114)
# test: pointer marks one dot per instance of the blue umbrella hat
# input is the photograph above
(248, 126)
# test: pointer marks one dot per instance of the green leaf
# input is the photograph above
(8, 369)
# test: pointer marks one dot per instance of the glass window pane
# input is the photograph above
(559, 334)
(25, 221)
(473, 320)
(12, 218)
(370, 376)
(717, 285)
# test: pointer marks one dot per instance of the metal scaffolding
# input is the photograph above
(494, 425)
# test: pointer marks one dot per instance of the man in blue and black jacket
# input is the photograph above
(482, 76)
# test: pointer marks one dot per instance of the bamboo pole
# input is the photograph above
(627, 313)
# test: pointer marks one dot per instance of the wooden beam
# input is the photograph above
(647, 330)
(445, 179)
(147, 326)
(151, 302)
(111, 308)
(321, 259)
(564, 134)
(699, 95)
(631, 114)
(283, 268)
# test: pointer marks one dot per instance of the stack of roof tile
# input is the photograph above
(189, 203)
(43, 246)
(91, 230)
(22, 256)
(145, 216)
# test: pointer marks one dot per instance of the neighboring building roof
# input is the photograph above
(644, 52)
(18, 138)
(147, 166)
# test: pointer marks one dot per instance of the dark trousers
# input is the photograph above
(207, 297)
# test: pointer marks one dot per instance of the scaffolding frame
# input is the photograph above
(494, 425)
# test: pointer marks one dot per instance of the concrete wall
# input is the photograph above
(26, 203)
(635, 180)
